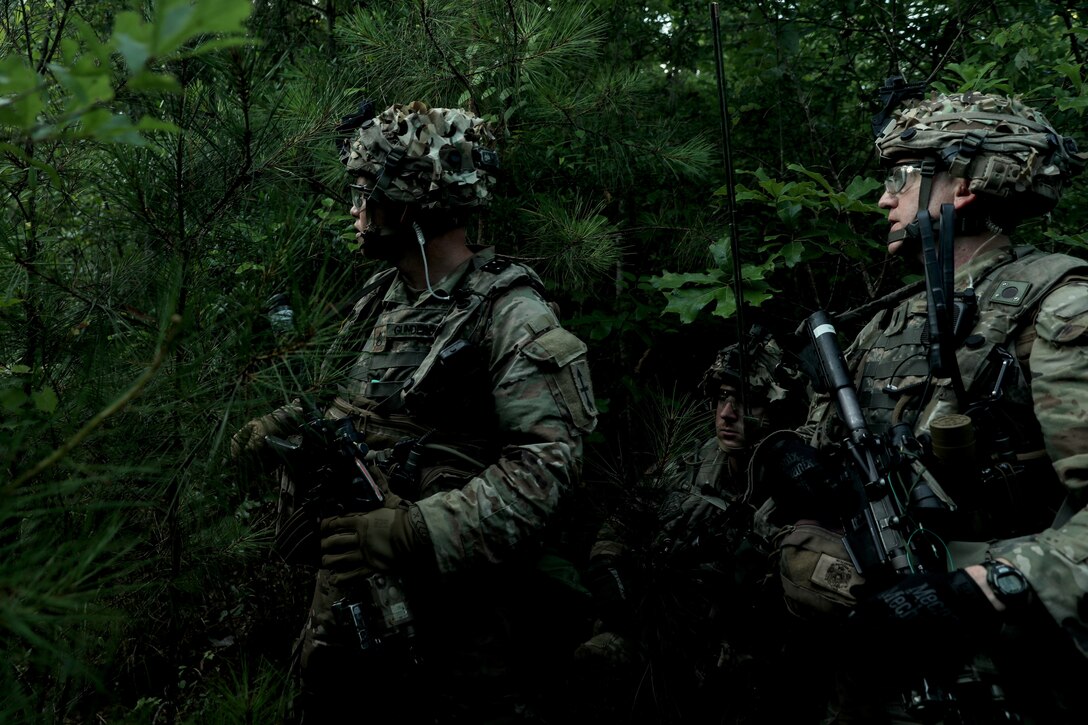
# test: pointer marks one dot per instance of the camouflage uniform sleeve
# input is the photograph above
(1059, 385)
(544, 404)
(1056, 561)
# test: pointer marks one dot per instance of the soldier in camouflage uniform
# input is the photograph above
(1006, 429)
(681, 574)
(473, 402)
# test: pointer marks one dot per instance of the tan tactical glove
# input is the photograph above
(606, 650)
(353, 546)
(249, 441)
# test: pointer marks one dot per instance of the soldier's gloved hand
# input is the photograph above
(687, 518)
(353, 546)
(606, 651)
(925, 613)
(249, 441)
(801, 486)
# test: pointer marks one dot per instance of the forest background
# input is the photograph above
(168, 166)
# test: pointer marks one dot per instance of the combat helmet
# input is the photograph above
(770, 378)
(429, 158)
(1004, 148)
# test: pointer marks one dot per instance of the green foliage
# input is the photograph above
(242, 697)
(176, 156)
(789, 223)
(66, 97)
(575, 239)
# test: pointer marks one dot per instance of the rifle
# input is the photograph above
(893, 493)
(327, 460)
(329, 457)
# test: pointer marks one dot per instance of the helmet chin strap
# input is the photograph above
(912, 234)
(962, 224)
(438, 294)
(950, 315)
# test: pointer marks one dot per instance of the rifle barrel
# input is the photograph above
(835, 374)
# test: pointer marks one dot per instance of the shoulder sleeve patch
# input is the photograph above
(1063, 314)
(562, 356)
(556, 347)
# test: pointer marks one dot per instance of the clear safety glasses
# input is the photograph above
(359, 195)
(725, 397)
(899, 177)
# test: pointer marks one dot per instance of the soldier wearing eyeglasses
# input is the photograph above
(1004, 424)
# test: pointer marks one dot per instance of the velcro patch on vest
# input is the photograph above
(898, 321)
(496, 265)
(835, 574)
(556, 347)
(405, 359)
(1010, 292)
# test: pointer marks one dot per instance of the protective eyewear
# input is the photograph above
(900, 177)
(726, 397)
(359, 195)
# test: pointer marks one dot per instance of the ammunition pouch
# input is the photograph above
(816, 571)
(995, 463)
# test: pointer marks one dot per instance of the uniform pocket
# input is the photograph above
(817, 574)
(561, 355)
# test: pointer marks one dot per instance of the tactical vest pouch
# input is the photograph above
(455, 391)
(1009, 300)
(816, 571)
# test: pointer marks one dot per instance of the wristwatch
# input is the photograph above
(1008, 583)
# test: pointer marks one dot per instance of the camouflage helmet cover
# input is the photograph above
(1003, 147)
(430, 157)
(768, 378)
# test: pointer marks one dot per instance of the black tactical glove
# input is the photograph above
(689, 520)
(928, 614)
(801, 486)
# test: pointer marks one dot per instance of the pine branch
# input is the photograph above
(112, 409)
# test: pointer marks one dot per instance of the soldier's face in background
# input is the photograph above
(732, 423)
